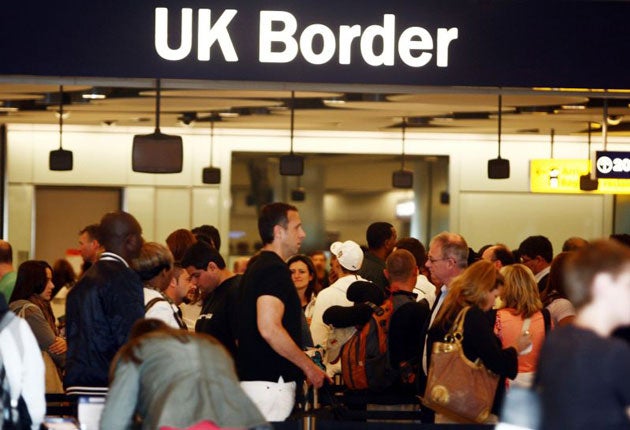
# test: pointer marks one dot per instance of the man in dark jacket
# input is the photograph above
(102, 306)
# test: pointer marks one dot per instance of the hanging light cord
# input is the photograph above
(211, 139)
(404, 129)
(60, 114)
(500, 121)
(157, 105)
(588, 154)
(605, 125)
(292, 118)
(553, 133)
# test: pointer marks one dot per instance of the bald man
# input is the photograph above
(102, 306)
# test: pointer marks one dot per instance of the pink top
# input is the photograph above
(508, 328)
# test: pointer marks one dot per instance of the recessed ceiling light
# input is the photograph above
(573, 107)
(93, 96)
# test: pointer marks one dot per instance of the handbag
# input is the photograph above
(457, 387)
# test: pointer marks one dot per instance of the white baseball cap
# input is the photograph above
(348, 253)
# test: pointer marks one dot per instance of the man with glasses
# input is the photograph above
(447, 258)
(536, 253)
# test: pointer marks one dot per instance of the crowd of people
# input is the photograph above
(173, 337)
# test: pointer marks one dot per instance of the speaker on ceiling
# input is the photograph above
(60, 159)
(587, 183)
(298, 195)
(498, 168)
(402, 179)
(211, 175)
(291, 165)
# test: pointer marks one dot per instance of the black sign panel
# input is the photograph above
(611, 164)
(423, 42)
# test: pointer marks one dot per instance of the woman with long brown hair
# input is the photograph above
(476, 289)
(31, 300)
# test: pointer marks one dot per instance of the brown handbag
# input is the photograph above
(457, 387)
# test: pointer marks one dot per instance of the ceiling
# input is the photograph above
(447, 109)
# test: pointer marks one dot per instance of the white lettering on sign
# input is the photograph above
(161, 35)
(414, 43)
(280, 42)
(207, 35)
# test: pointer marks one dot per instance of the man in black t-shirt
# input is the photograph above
(208, 271)
(270, 360)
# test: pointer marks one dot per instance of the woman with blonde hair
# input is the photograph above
(523, 313)
(154, 265)
(476, 289)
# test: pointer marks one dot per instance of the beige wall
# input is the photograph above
(483, 210)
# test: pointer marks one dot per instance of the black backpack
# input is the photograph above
(14, 415)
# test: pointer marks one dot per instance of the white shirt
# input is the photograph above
(538, 276)
(443, 292)
(25, 374)
(334, 295)
(425, 290)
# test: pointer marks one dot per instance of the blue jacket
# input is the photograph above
(100, 310)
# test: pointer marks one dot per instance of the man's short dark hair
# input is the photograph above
(536, 245)
(91, 230)
(378, 233)
(504, 255)
(6, 252)
(416, 248)
(200, 254)
(272, 215)
(208, 231)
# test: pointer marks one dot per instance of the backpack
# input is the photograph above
(14, 415)
(365, 356)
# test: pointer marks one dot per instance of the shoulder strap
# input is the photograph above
(457, 331)
(151, 302)
(24, 307)
(547, 318)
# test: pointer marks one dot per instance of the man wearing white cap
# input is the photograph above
(350, 257)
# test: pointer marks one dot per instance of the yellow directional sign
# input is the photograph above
(555, 175)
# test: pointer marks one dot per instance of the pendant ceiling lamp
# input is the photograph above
(157, 152)
(60, 159)
(499, 168)
(291, 164)
(403, 178)
(211, 174)
(587, 182)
